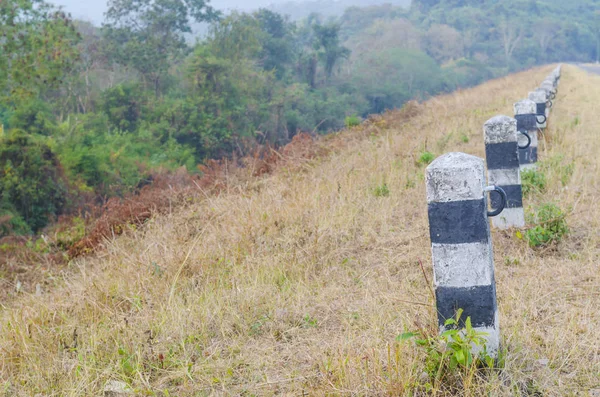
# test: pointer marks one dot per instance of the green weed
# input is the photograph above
(382, 190)
(533, 181)
(451, 353)
(352, 121)
(426, 157)
(550, 226)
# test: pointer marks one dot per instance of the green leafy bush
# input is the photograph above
(32, 182)
(455, 352)
(426, 157)
(352, 121)
(551, 226)
(533, 181)
(382, 190)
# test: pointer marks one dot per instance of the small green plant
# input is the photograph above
(309, 322)
(382, 190)
(352, 121)
(576, 121)
(452, 352)
(556, 165)
(464, 138)
(533, 181)
(443, 142)
(550, 225)
(426, 157)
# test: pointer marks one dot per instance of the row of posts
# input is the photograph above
(457, 197)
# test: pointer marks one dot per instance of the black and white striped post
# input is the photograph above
(549, 87)
(549, 98)
(526, 115)
(502, 156)
(539, 97)
(461, 244)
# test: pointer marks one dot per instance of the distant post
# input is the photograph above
(461, 244)
(525, 114)
(502, 156)
(539, 97)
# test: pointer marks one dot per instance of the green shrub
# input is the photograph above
(450, 355)
(556, 165)
(382, 190)
(533, 181)
(352, 121)
(33, 186)
(426, 157)
(550, 226)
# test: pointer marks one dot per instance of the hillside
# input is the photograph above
(297, 282)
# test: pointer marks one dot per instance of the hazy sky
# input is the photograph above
(94, 9)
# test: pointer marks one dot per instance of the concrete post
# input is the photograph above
(502, 155)
(525, 113)
(549, 87)
(549, 98)
(539, 97)
(461, 244)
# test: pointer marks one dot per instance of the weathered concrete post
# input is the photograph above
(549, 87)
(549, 98)
(539, 97)
(502, 155)
(461, 243)
(525, 113)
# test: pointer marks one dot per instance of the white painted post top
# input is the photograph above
(547, 85)
(525, 106)
(538, 96)
(455, 177)
(500, 129)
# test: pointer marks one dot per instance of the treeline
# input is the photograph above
(92, 112)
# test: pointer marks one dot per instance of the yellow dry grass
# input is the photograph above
(298, 283)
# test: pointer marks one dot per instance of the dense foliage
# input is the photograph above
(93, 112)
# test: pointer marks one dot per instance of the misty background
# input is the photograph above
(94, 10)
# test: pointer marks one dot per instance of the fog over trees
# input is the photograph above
(94, 10)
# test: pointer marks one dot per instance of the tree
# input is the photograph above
(544, 32)
(32, 185)
(511, 34)
(327, 43)
(37, 48)
(444, 43)
(149, 35)
(276, 41)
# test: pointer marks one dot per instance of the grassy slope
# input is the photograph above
(301, 280)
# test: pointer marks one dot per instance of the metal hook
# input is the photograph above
(549, 104)
(541, 115)
(528, 140)
(503, 197)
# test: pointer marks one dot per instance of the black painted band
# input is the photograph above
(458, 222)
(541, 108)
(514, 194)
(529, 155)
(526, 122)
(479, 303)
(502, 156)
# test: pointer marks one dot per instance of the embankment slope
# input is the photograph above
(300, 281)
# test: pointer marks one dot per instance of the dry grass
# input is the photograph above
(297, 283)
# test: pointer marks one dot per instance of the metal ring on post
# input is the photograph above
(541, 115)
(528, 140)
(503, 196)
(549, 104)
(553, 96)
